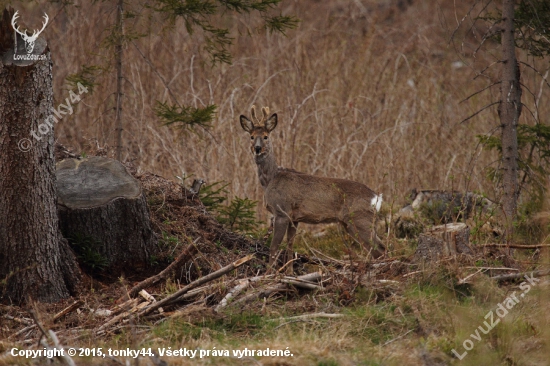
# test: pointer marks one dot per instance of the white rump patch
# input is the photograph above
(376, 202)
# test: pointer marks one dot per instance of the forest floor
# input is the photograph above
(348, 311)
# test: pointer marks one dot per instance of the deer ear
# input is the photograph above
(271, 122)
(246, 124)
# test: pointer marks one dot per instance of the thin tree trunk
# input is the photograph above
(35, 259)
(118, 58)
(509, 112)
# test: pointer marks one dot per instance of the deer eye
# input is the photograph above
(252, 137)
(265, 137)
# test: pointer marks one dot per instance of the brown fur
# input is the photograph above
(293, 197)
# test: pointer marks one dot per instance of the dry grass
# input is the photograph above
(370, 93)
(367, 92)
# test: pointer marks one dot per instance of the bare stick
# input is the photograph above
(514, 276)
(56, 317)
(516, 246)
(121, 316)
(265, 292)
(212, 276)
(313, 315)
(69, 309)
(66, 358)
(301, 283)
(184, 256)
(19, 320)
(242, 285)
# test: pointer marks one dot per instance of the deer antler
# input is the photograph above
(253, 114)
(265, 112)
(37, 32)
(15, 16)
(255, 119)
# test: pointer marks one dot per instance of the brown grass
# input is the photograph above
(365, 92)
(370, 93)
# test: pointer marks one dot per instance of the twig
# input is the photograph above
(516, 246)
(265, 292)
(463, 281)
(210, 277)
(68, 360)
(147, 296)
(121, 316)
(513, 276)
(19, 320)
(395, 339)
(478, 112)
(184, 256)
(69, 309)
(51, 334)
(242, 285)
(308, 285)
(313, 315)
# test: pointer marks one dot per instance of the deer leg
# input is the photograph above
(290, 234)
(361, 229)
(280, 226)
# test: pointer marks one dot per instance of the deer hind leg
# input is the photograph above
(360, 227)
(290, 234)
(280, 227)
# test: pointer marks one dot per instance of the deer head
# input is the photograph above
(29, 40)
(259, 130)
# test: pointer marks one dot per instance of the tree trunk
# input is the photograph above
(509, 111)
(118, 58)
(104, 214)
(35, 260)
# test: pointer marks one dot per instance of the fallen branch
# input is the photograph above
(516, 246)
(313, 315)
(148, 297)
(51, 334)
(241, 286)
(210, 277)
(265, 292)
(308, 285)
(514, 276)
(75, 305)
(69, 309)
(184, 256)
(121, 316)
(19, 320)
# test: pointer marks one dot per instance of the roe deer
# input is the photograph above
(294, 197)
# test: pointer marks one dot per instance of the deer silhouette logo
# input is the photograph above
(29, 40)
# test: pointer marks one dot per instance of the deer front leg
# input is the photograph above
(280, 226)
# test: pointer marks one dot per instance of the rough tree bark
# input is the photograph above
(509, 111)
(118, 58)
(35, 260)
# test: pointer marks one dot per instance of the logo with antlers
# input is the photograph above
(29, 40)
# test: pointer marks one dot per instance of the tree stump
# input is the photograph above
(444, 241)
(103, 212)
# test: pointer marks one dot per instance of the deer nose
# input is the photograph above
(258, 149)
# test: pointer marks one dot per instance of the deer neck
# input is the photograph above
(267, 168)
